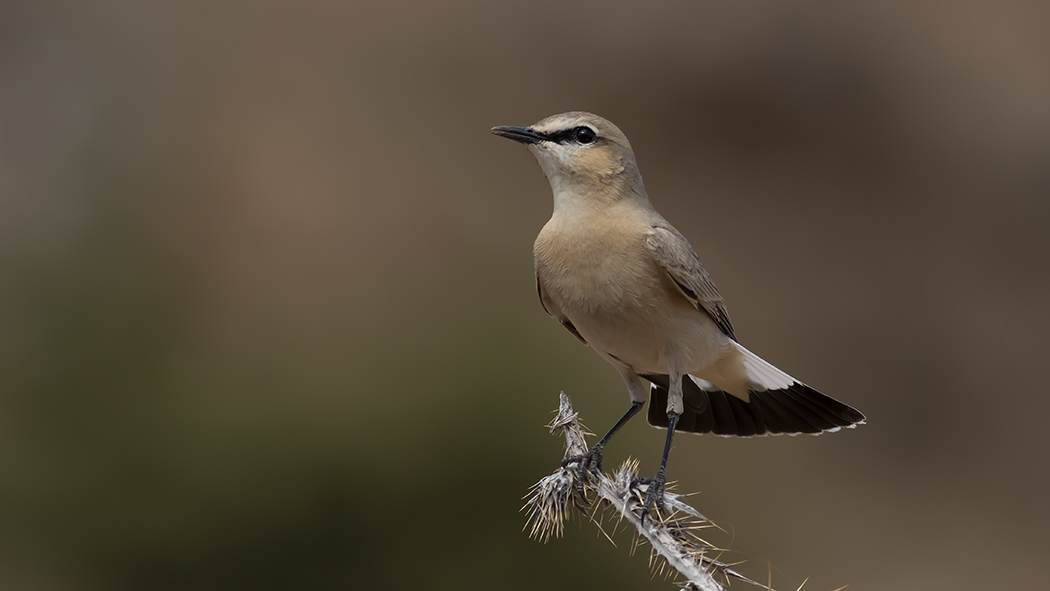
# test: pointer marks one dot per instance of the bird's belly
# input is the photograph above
(654, 335)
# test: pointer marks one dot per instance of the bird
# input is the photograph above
(626, 283)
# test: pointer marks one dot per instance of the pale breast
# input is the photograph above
(592, 263)
(598, 271)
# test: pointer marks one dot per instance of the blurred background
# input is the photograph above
(268, 319)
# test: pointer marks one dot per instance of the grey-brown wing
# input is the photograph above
(673, 253)
(554, 312)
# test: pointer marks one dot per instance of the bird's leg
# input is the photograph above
(654, 494)
(592, 460)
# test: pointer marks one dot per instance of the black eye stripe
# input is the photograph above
(570, 135)
(561, 136)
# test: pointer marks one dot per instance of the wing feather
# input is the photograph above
(673, 253)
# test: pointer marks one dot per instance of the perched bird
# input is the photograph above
(622, 280)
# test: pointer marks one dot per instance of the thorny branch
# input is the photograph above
(673, 536)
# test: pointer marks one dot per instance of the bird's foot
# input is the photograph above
(654, 493)
(589, 462)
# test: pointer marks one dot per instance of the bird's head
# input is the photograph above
(581, 154)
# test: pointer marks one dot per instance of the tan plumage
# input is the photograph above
(627, 283)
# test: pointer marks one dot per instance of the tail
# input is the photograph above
(778, 404)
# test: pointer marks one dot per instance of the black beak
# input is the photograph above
(525, 135)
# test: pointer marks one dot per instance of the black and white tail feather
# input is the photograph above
(777, 404)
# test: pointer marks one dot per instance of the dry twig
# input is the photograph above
(674, 538)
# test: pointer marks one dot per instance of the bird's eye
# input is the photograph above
(584, 135)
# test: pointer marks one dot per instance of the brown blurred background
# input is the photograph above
(268, 320)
